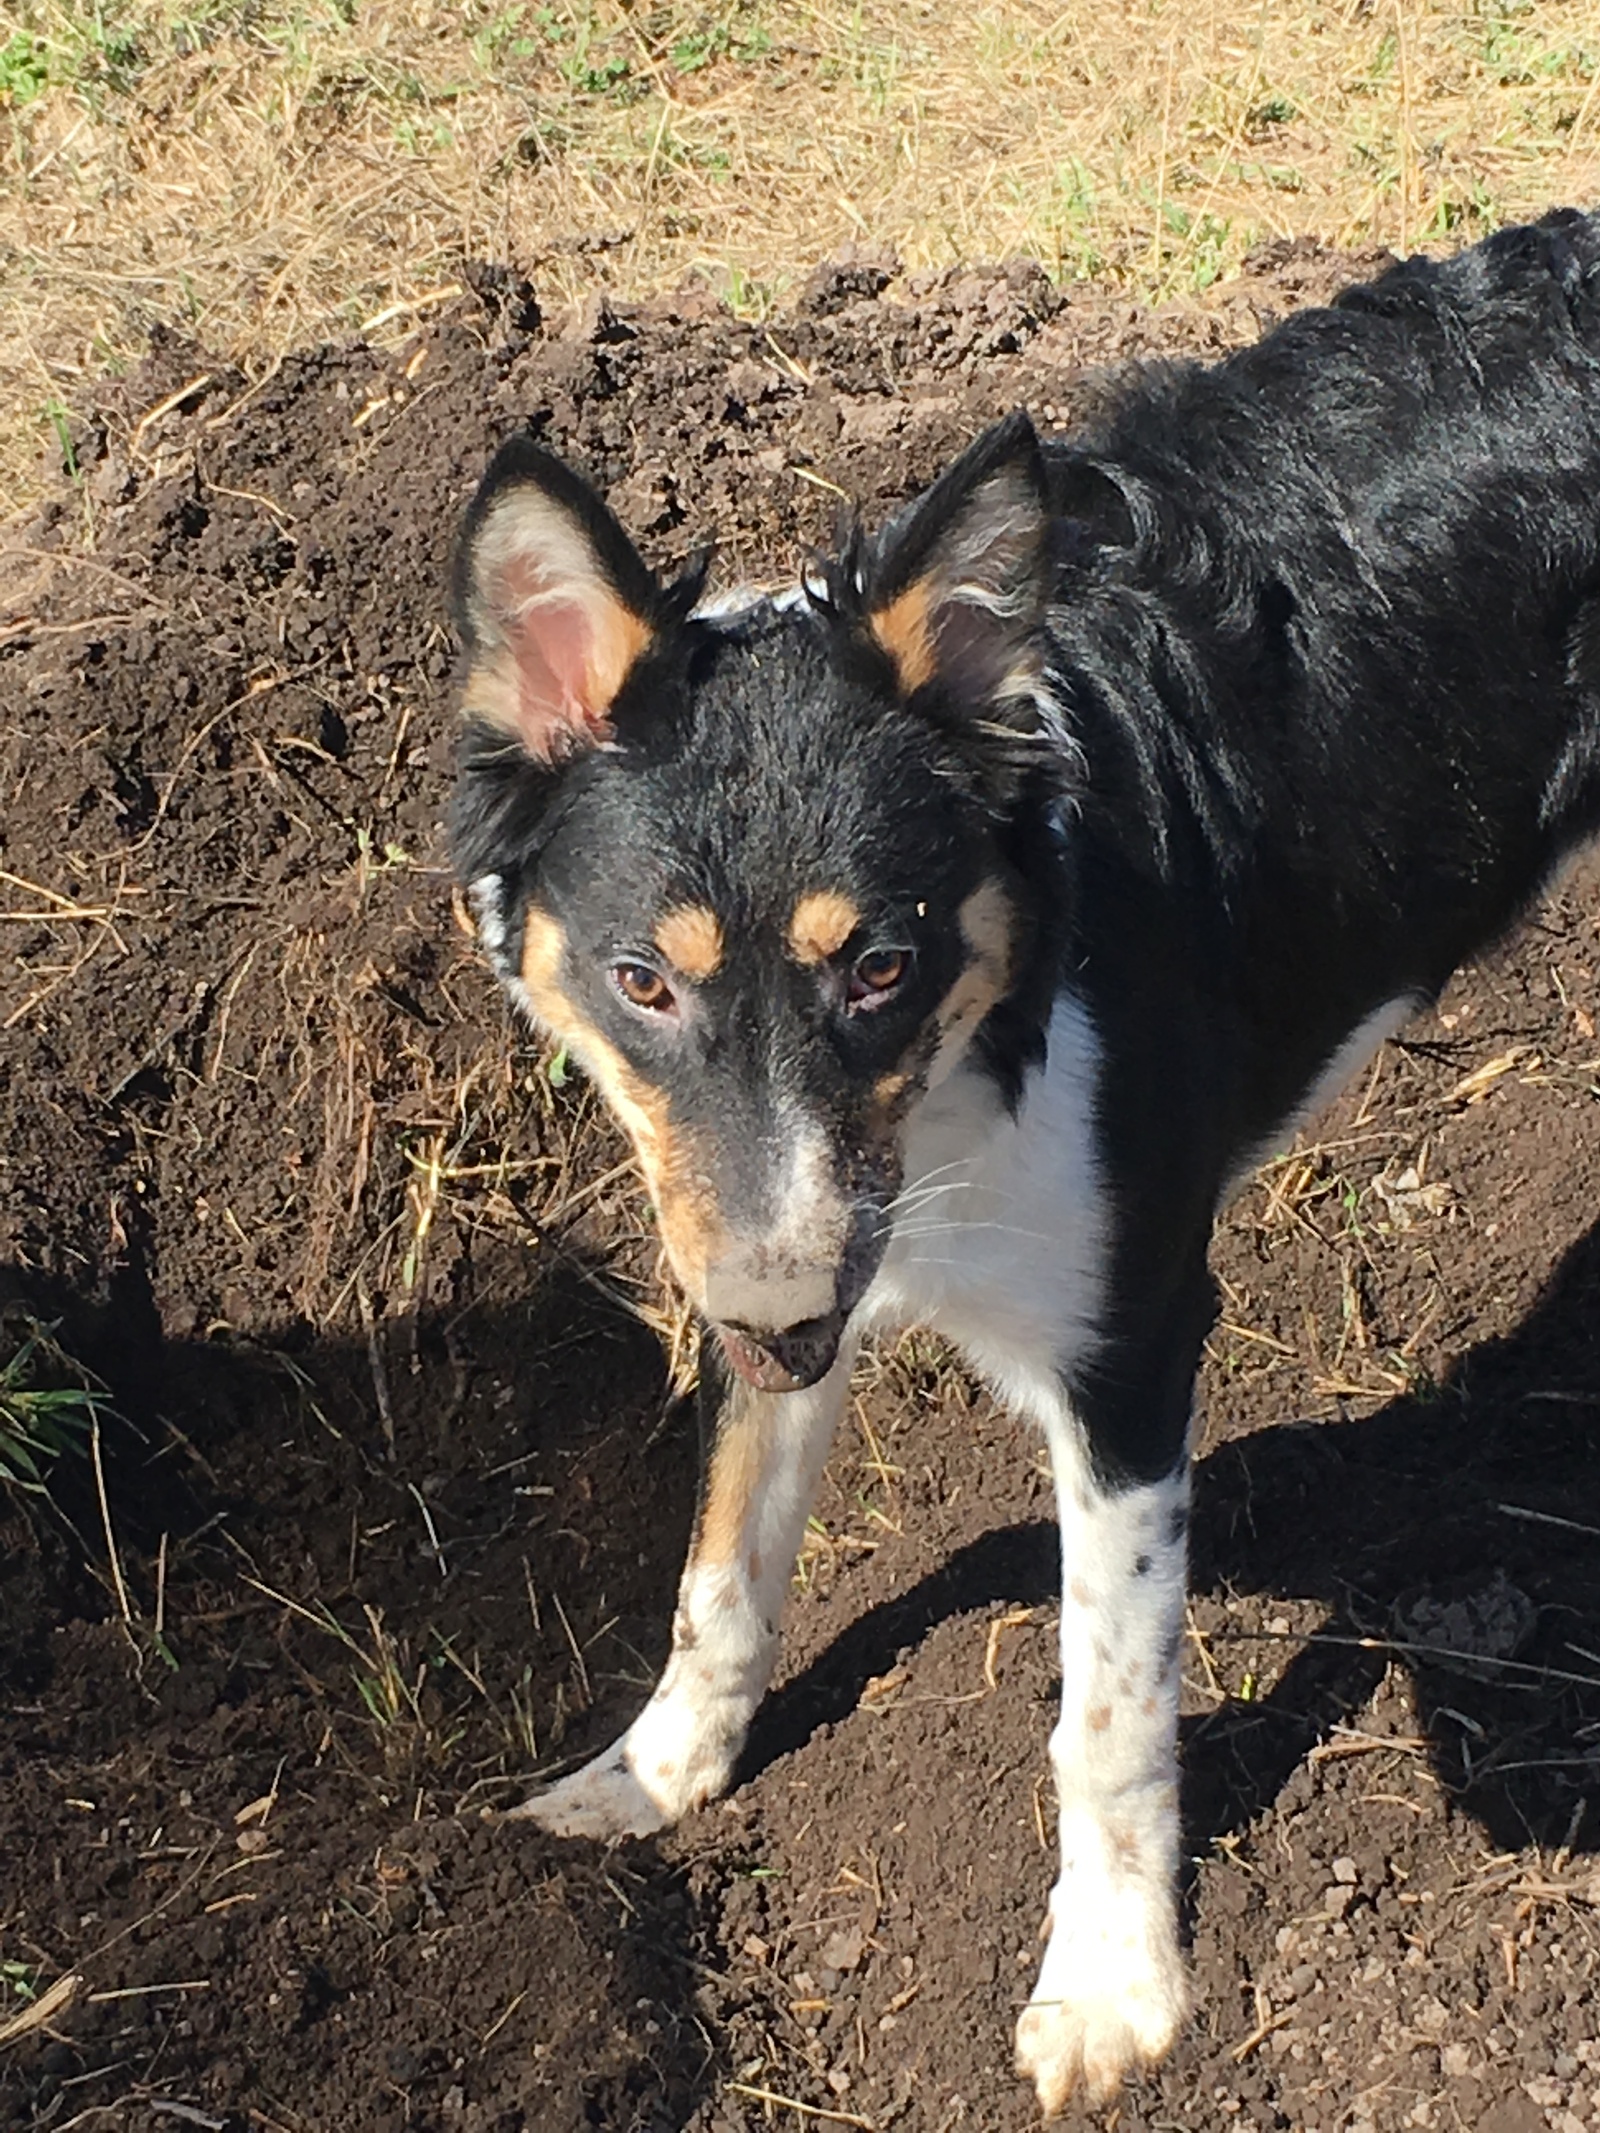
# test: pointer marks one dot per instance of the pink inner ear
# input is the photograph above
(553, 645)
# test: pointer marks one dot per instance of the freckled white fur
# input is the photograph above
(1003, 1249)
(1111, 1992)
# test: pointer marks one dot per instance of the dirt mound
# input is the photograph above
(397, 1499)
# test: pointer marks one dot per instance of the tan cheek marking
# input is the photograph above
(690, 1226)
(894, 1093)
(988, 920)
(905, 631)
(1100, 1718)
(691, 940)
(988, 923)
(820, 924)
(640, 1108)
(1081, 1593)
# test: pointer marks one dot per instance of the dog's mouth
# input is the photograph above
(784, 1362)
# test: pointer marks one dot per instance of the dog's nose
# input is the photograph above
(769, 1304)
(784, 1362)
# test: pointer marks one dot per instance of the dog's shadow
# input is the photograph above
(1464, 1519)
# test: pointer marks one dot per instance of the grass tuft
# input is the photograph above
(49, 1404)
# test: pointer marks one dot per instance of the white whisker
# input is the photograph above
(924, 1200)
(922, 1184)
(914, 1232)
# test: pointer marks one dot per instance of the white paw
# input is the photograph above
(603, 1800)
(1111, 1998)
(1090, 2046)
(671, 1758)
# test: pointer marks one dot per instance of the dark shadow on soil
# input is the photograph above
(1399, 1523)
(358, 1617)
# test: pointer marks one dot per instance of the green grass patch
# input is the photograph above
(49, 1403)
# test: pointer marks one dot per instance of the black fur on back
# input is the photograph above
(1327, 636)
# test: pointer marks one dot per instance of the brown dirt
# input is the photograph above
(401, 1487)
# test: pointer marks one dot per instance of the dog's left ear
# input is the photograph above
(555, 603)
(956, 589)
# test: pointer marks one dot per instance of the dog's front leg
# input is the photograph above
(762, 1456)
(1111, 1993)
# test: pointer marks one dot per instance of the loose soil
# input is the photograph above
(401, 1479)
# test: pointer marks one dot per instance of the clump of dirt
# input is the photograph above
(395, 1505)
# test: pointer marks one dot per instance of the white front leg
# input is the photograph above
(765, 1462)
(1112, 1993)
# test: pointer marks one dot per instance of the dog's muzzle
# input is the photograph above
(780, 1330)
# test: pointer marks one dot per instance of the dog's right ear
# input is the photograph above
(555, 603)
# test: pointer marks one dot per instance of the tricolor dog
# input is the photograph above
(950, 933)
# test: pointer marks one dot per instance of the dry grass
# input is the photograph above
(269, 171)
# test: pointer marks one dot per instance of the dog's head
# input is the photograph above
(771, 875)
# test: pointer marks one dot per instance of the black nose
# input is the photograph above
(785, 1361)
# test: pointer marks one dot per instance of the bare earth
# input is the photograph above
(402, 1487)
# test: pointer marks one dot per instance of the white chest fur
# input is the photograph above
(1000, 1230)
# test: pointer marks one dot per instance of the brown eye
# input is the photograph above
(877, 974)
(642, 987)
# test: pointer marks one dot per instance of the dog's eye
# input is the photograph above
(877, 974)
(643, 987)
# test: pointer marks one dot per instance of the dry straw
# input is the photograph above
(264, 174)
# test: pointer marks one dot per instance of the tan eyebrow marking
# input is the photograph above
(691, 940)
(822, 921)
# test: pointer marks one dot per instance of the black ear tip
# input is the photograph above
(1015, 442)
(679, 600)
(520, 462)
(1018, 430)
(520, 456)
